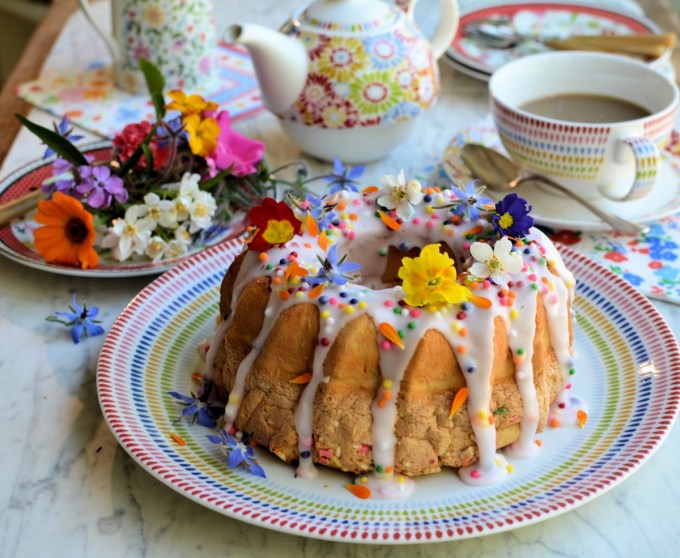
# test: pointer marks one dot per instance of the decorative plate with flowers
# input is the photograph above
(162, 191)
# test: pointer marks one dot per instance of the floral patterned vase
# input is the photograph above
(176, 35)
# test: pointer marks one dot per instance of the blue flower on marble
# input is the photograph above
(239, 452)
(81, 320)
(198, 408)
(344, 178)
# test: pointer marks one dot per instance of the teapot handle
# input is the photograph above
(108, 39)
(446, 28)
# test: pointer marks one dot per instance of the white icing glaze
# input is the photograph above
(392, 487)
(468, 328)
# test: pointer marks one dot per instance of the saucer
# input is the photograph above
(554, 210)
(544, 20)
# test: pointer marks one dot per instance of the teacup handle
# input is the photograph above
(108, 39)
(446, 28)
(647, 160)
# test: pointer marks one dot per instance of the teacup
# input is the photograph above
(612, 154)
(176, 35)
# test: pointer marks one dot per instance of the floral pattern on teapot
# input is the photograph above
(374, 80)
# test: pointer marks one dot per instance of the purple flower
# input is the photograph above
(100, 186)
(63, 130)
(198, 408)
(512, 216)
(66, 183)
(469, 200)
(344, 178)
(81, 321)
(239, 452)
(334, 271)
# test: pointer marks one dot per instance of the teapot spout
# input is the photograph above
(280, 62)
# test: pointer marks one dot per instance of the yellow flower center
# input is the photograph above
(495, 263)
(155, 213)
(200, 210)
(278, 232)
(506, 221)
(430, 279)
(130, 229)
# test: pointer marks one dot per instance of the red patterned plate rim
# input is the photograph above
(30, 176)
(603, 289)
(482, 10)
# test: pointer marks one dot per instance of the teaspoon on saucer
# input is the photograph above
(500, 173)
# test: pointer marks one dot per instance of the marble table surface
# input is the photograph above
(68, 489)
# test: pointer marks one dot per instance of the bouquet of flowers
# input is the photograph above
(167, 186)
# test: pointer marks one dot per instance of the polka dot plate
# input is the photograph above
(628, 369)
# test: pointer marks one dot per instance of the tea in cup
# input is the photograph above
(593, 122)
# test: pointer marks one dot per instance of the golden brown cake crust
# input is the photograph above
(426, 438)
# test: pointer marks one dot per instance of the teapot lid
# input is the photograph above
(352, 16)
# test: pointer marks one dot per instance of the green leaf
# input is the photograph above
(62, 146)
(155, 83)
(149, 160)
(207, 185)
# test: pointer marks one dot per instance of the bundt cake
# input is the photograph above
(394, 330)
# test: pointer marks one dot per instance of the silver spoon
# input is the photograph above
(500, 173)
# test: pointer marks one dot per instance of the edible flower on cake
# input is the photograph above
(394, 351)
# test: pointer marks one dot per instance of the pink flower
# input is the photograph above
(234, 150)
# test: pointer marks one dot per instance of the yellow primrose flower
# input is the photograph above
(189, 104)
(203, 134)
(430, 279)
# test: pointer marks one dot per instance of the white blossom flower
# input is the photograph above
(160, 212)
(176, 248)
(130, 234)
(156, 248)
(183, 235)
(497, 262)
(399, 195)
(187, 190)
(201, 211)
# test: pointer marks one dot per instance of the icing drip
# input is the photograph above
(467, 328)
(389, 487)
(217, 340)
(519, 331)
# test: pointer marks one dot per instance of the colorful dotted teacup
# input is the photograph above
(618, 160)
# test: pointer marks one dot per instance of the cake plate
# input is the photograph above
(627, 368)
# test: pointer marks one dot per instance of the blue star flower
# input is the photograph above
(63, 130)
(321, 211)
(334, 271)
(81, 321)
(469, 200)
(198, 407)
(512, 216)
(344, 178)
(239, 452)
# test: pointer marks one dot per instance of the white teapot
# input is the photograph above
(348, 77)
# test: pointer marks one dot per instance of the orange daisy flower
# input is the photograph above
(67, 236)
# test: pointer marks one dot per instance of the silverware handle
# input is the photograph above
(617, 223)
